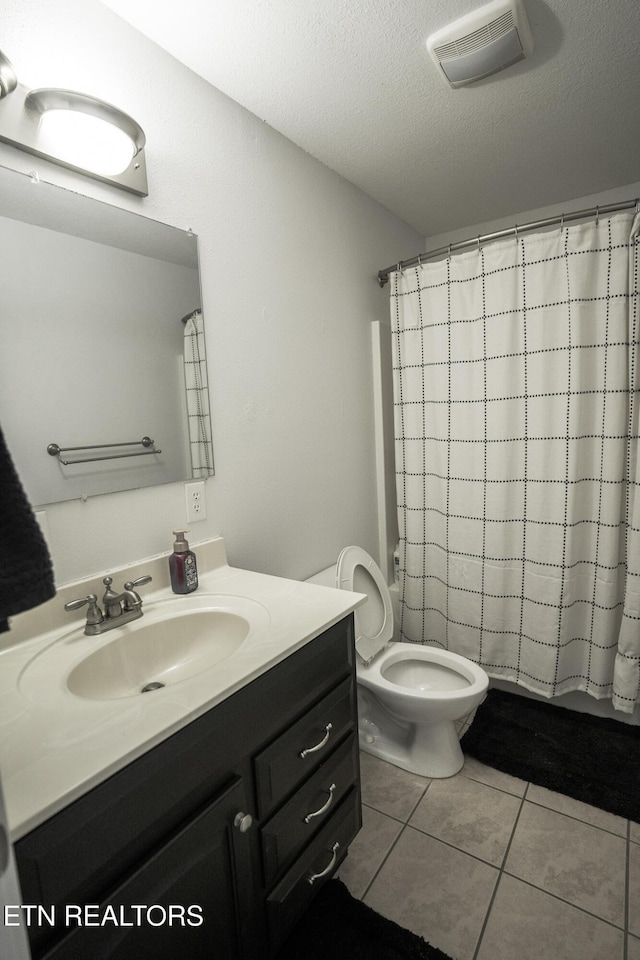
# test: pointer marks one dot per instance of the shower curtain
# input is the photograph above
(197, 388)
(516, 377)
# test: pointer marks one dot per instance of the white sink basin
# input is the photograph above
(158, 653)
(173, 641)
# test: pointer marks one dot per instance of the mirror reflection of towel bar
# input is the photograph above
(54, 450)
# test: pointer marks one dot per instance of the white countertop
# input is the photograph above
(54, 746)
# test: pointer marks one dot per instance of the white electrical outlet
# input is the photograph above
(196, 501)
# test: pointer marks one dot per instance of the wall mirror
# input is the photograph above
(102, 345)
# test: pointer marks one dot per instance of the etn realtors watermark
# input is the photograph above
(97, 915)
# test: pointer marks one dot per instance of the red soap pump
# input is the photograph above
(182, 565)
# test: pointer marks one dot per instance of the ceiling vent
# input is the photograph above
(482, 42)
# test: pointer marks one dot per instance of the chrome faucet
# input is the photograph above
(119, 608)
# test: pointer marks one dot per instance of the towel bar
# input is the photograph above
(54, 450)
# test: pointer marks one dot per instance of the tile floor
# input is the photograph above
(489, 867)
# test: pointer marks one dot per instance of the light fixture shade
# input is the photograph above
(74, 130)
(8, 79)
(85, 131)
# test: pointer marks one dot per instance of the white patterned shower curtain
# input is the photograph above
(516, 379)
(197, 389)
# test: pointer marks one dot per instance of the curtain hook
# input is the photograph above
(562, 223)
(450, 244)
(516, 232)
(597, 215)
(478, 242)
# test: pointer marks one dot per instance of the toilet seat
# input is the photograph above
(358, 572)
(381, 674)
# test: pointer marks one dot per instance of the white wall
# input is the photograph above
(624, 192)
(289, 253)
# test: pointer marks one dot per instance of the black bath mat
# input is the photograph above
(594, 759)
(338, 927)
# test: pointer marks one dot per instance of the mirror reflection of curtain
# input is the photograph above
(197, 388)
(516, 387)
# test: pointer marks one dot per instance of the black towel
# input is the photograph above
(26, 573)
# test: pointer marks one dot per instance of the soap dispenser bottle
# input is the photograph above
(182, 565)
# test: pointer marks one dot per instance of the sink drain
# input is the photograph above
(152, 686)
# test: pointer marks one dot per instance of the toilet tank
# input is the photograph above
(325, 578)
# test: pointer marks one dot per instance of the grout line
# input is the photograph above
(383, 813)
(568, 903)
(570, 816)
(391, 848)
(627, 895)
(452, 846)
(384, 860)
(484, 783)
(500, 875)
(544, 806)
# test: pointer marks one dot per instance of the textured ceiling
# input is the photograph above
(351, 82)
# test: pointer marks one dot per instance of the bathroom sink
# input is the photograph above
(158, 654)
(174, 641)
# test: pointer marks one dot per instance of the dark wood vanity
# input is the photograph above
(242, 815)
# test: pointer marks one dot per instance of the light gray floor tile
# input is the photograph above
(577, 809)
(469, 815)
(388, 788)
(437, 892)
(633, 949)
(529, 924)
(570, 859)
(494, 778)
(368, 850)
(634, 889)
(635, 831)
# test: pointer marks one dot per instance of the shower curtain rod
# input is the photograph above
(383, 275)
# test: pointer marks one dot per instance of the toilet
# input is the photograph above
(409, 694)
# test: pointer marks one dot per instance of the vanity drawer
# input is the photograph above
(297, 752)
(290, 898)
(308, 809)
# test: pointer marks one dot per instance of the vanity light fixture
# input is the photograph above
(74, 130)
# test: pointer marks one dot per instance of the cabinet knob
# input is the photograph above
(243, 821)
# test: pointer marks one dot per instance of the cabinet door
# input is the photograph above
(202, 873)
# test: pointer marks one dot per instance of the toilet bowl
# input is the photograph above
(410, 695)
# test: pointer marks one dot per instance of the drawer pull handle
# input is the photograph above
(317, 876)
(243, 821)
(320, 745)
(323, 808)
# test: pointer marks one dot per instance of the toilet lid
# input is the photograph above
(359, 572)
